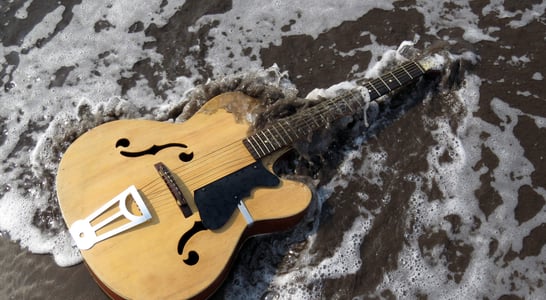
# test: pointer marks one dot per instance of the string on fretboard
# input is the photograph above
(393, 80)
(287, 130)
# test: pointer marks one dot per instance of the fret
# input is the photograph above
(287, 134)
(392, 81)
(293, 127)
(386, 85)
(279, 145)
(382, 90)
(251, 148)
(355, 102)
(380, 86)
(325, 114)
(373, 87)
(419, 66)
(341, 109)
(255, 146)
(370, 92)
(360, 95)
(347, 104)
(269, 139)
(317, 124)
(259, 147)
(300, 129)
(307, 126)
(347, 109)
(323, 119)
(402, 66)
(331, 103)
(265, 142)
(406, 73)
(401, 79)
(280, 135)
(395, 78)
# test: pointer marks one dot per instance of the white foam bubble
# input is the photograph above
(18, 213)
(526, 16)
(256, 24)
(332, 91)
(22, 12)
(427, 272)
(46, 28)
(345, 260)
(440, 16)
(519, 60)
(537, 76)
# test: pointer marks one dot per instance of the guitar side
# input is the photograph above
(170, 255)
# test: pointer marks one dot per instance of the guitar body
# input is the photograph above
(172, 254)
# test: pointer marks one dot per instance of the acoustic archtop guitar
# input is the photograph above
(159, 210)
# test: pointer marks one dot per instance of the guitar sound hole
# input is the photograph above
(192, 259)
(123, 143)
(185, 157)
(153, 150)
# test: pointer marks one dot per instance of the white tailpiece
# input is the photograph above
(85, 234)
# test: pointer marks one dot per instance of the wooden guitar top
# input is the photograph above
(144, 261)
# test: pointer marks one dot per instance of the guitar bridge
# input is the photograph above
(173, 187)
(85, 233)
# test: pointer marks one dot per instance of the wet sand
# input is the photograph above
(312, 63)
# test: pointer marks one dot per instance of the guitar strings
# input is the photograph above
(299, 121)
(323, 111)
(159, 194)
(157, 191)
(405, 70)
(325, 108)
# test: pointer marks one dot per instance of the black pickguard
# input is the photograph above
(218, 200)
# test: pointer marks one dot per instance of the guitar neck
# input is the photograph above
(287, 130)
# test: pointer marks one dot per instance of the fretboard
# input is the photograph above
(286, 131)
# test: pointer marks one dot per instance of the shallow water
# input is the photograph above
(442, 197)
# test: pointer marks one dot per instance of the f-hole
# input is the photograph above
(193, 257)
(153, 150)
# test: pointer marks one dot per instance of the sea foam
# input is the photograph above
(41, 112)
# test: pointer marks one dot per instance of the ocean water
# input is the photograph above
(439, 194)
